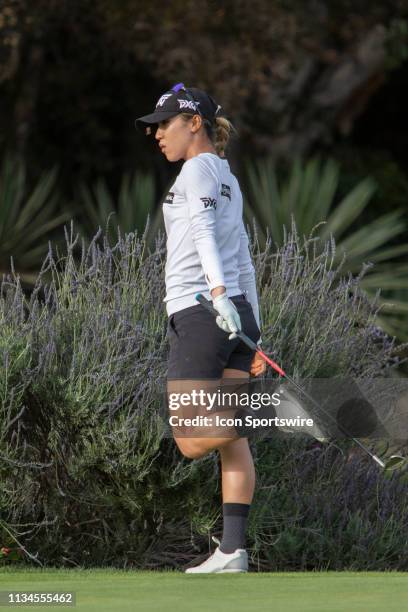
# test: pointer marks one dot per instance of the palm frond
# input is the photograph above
(26, 217)
(308, 196)
(132, 207)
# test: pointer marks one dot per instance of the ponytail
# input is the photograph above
(221, 134)
(218, 133)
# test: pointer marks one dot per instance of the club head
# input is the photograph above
(292, 406)
(394, 462)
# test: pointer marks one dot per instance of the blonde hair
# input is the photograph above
(218, 133)
(221, 134)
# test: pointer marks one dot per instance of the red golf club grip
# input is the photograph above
(273, 365)
(208, 306)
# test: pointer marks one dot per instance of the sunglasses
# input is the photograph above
(181, 87)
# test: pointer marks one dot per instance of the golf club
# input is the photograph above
(391, 463)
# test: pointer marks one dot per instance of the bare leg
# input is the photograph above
(238, 471)
(237, 466)
(196, 442)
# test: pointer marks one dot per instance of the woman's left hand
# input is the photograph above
(258, 365)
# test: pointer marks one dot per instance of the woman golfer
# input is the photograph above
(207, 252)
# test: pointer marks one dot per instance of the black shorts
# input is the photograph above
(199, 349)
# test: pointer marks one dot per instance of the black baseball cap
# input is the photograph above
(181, 99)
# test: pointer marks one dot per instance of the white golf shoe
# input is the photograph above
(222, 563)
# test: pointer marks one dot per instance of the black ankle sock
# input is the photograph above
(235, 520)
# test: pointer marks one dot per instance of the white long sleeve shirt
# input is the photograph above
(207, 244)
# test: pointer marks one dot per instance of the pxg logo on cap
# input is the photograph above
(180, 100)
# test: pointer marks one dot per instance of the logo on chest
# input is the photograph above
(226, 191)
(169, 198)
(209, 202)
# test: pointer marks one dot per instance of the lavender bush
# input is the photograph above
(316, 322)
(87, 476)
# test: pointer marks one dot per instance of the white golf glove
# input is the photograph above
(228, 319)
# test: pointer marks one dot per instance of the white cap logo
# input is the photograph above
(187, 104)
(163, 99)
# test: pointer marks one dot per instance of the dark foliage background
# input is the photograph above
(292, 75)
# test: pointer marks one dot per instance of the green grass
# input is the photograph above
(112, 589)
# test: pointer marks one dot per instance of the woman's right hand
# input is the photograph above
(228, 319)
(258, 365)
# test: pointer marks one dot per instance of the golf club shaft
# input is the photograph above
(240, 334)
